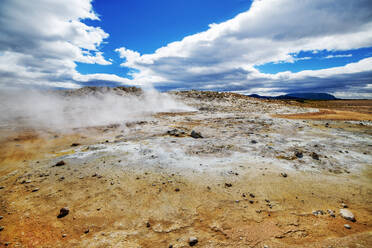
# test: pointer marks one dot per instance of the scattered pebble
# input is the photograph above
(1, 228)
(35, 190)
(60, 163)
(347, 226)
(318, 212)
(63, 212)
(228, 185)
(177, 190)
(347, 215)
(196, 135)
(1, 187)
(344, 205)
(299, 154)
(283, 174)
(331, 213)
(193, 241)
(64, 235)
(86, 231)
(314, 156)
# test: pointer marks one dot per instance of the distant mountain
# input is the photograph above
(299, 96)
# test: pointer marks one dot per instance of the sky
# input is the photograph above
(267, 47)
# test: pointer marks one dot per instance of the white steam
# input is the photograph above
(36, 109)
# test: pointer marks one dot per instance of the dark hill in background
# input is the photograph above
(299, 96)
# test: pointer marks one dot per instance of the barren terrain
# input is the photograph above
(254, 173)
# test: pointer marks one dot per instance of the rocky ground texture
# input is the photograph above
(236, 172)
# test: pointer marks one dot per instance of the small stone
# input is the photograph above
(75, 144)
(63, 212)
(344, 205)
(1, 187)
(283, 174)
(86, 231)
(252, 195)
(1, 217)
(193, 241)
(196, 135)
(228, 185)
(265, 246)
(64, 235)
(177, 190)
(347, 215)
(253, 142)
(347, 226)
(251, 202)
(1, 228)
(314, 156)
(35, 190)
(331, 213)
(318, 212)
(299, 154)
(60, 163)
(148, 224)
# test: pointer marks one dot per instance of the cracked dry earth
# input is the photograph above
(253, 180)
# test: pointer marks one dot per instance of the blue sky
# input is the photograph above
(146, 25)
(267, 47)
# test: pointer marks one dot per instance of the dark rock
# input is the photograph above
(253, 142)
(252, 195)
(176, 133)
(63, 212)
(299, 154)
(1, 187)
(86, 231)
(314, 156)
(331, 213)
(148, 224)
(75, 144)
(35, 190)
(347, 226)
(318, 212)
(283, 174)
(196, 135)
(177, 190)
(1, 228)
(228, 185)
(60, 163)
(193, 241)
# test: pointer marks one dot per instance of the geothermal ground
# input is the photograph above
(254, 173)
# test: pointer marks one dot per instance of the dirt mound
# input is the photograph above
(97, 91)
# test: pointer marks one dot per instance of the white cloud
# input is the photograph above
(41, 40)
(224, 56)
(338, 56)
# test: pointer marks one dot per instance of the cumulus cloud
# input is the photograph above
(224, 57)
(338, 56)
(41, 40)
